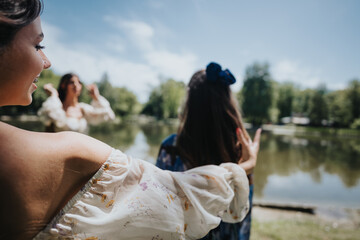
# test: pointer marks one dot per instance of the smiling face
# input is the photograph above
(21, 63)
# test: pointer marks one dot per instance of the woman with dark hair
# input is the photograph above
(70, 186)
(62, 111)
(211, 132)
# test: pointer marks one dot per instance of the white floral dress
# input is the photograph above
(52, 112)
(133, 199)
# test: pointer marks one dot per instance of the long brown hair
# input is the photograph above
(64, 82)
(208, 123)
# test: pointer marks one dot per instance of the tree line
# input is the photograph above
(261, 100)
(264, 100)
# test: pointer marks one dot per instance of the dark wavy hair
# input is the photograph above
(208, 123)
(64, 82)
(14, 15)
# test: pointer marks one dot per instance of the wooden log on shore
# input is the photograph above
(287, 207)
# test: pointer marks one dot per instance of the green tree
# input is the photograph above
(301, 101)
(153, 107)
(122, 101)
(125, 103)
(274, 110)
(173, 93)
(257, 94)
(106, 89)
(318, 108)
(340, 114)
(239, 97)
(286, 95)
(165, 100)
(354, 97)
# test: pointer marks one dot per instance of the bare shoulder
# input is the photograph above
(41, 171)
(50, 147)
(33, 155)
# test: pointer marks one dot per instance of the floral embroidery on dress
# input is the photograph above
(134, 199)
(231, 231)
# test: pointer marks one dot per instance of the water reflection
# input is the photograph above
(154, 136)
(140, 149)
(312, 170)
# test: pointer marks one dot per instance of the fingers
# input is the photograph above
(95, 86)
(243, 140)
(93, 89)
(257, 136)
(47, 85)
(241, 137)
(50, 90)
(246, 142)
(257, 139)
(90, 87)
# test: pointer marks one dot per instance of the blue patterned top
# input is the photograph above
(169, 160)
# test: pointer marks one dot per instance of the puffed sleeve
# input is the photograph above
(52, 111)
(212, 193)
(134, 199)
(99, 111)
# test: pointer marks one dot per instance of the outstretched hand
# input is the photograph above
(249, 150)
(50, 90)
(93, 91)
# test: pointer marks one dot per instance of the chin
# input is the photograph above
(27, 101)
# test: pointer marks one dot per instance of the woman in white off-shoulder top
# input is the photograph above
(62, 111)
(68, 185)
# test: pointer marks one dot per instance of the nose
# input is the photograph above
(46, 61)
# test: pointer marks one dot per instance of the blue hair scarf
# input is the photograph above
(215, 74)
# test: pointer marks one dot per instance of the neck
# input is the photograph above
(70, 102)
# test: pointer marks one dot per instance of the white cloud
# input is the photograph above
(139, 33)
(302, 75)
(171, 64)
(287, 70)
(179, 66)
(90, 62)
(138, 29)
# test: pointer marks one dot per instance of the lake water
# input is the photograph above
(290, 170)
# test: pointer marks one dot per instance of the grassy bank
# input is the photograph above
(270, 224)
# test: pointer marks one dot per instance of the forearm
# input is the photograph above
(248, 166)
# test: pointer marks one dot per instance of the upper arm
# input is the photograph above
(76, 146)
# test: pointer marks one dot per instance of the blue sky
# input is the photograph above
(137, 43)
